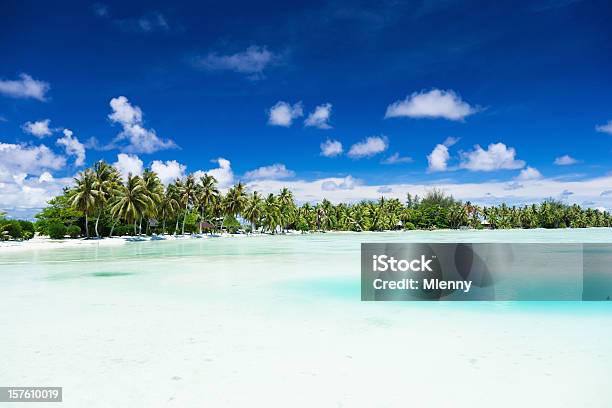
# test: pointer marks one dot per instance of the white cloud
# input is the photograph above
(346, 183)
(432, 104)
(497, 157)
(39, 128)
(141, 140)
(274, 171)
(482, 193)
(607, 128)
(25, 87)
(253, 61)
(438, 158)
(20, 193)
(128, 163)
(395, 158)
(331, 148)
(24, 197)
(73, 147)
(168, 171)
(45, 177)
(19, 178)
(320, 117)
(529, 173)
(565, 160)
(15, 158)
(283, 113)
(369, 147)
(223, 173)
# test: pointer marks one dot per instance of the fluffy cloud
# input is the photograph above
(346, 183)
(438, 158)
(168, 171)
(128, 164)
(21, 194)
(283, 113)
(24, 197)
(320, 117)
(141, 140)
(529, 173)
(395, 158)
(482, 193)
(25, 87)
(497, 157)
(15, 158)
(433, 104)
(331, 148)
(607, 128)
(369, 147)
(565, 160)
(73, 147)
(253, 61)
(39, 128)
(45, 177)
(274, 171)
(224, 173)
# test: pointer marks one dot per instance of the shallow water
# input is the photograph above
(278, 320)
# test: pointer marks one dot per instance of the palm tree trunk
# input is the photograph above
(97, 221)
(140, 227)
(164, 222)
(112, 228)
(86, 226)
(176, 226)
(183, 227)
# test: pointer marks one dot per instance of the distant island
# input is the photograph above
(102, 204)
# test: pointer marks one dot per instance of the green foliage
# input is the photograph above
(126, 206)
(27, 229)
(57, 230)
(74, 231)
(231, 224)
(58, 211)
(13, 229)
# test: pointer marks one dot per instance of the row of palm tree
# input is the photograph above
(101, 193)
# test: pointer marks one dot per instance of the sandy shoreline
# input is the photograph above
(48, 243)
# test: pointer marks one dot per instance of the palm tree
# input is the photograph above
(168, 206)
(207, 196)
(187, 193)
(235, 200)
(84, 196)
(133, 201)
(155, 191)
(272, 213)
(106, 183)
(287, 207)
(253, 210)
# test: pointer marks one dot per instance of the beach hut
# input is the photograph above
(205, 225)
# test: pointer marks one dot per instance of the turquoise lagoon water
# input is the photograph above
(278, 320)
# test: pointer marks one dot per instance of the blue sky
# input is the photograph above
(422, 83)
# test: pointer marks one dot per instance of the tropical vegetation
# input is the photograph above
(102, 203)
(15, 229)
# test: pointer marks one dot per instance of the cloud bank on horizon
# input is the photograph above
(309, 112)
